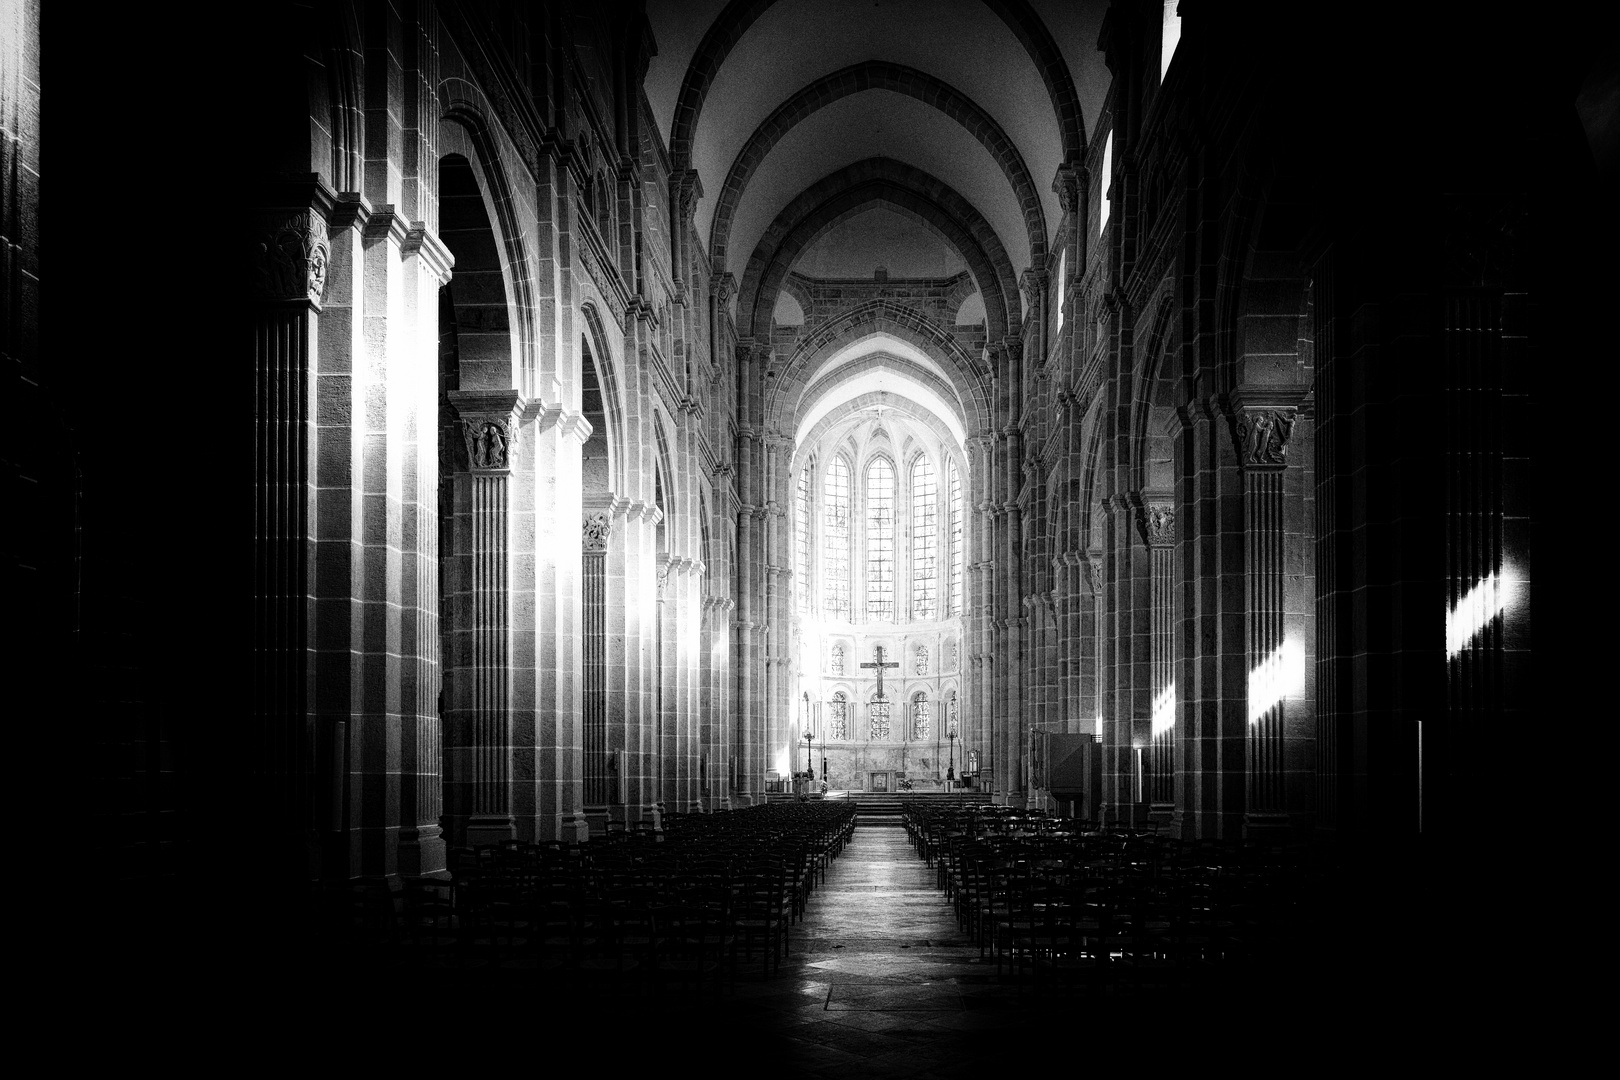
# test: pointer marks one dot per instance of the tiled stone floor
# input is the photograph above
(881, 982)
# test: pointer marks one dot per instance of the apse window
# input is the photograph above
(1171, 36)
(880, 540)
(835, 556)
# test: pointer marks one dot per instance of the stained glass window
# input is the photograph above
(878, 711)
(837, 662)
(802, 528)
(924, 541)
(880, 539)
(919, 718)
(838, 718)
(955, 605)
(950, 718)
(835, 559)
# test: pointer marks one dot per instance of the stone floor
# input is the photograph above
(880, 981)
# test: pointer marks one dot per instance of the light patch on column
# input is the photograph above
(1171, 36)
(784, 761)
(1164, 710)
(1280, 675)
(1104, 180)
(1474, 612)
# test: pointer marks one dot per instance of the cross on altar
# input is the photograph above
(877, 650)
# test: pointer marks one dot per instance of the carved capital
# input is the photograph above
(1094, 572)
(489, 424)
(290, 257)
(685, 189)
(1262, 435)
(1066, 185)
(1158, 524)
(491, 442)
(725, 287)
(598, 528)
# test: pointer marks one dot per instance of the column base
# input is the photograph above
(422, 852)
(653, 812)
(1162, 813)
(574, 829)
(1183, 825)
(1271, 825)
(485, 829)
(597, 819)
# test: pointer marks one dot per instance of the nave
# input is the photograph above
(921, 946)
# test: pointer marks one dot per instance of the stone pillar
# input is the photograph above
(977, 733)
(483, 680)
(381, 366)
(599, 771)
(421, 842)
(1276, 659)
(560, 635)
(666, 692)
(292, 255)
(1126, 669)
(1157, 518)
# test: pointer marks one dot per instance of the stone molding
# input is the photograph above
(426, 245)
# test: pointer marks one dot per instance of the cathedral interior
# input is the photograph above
(613, 425)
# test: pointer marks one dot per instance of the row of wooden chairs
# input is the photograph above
(1113, 909)
(639, 911)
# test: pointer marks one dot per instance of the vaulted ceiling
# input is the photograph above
(834, 137)
(765, 98)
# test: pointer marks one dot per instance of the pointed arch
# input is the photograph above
(911, 192)
(784, 396)
(598, 365)
(470, 134)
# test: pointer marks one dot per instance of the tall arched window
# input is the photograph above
(835, 559)
(838, 718)
(950, 718)
(878, 712)
(880, 539)
(954, 605)
(920, 717)
(924, 540)
(801, 527)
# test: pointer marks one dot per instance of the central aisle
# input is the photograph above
(880, 980)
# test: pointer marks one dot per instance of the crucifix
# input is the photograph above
(880, 665)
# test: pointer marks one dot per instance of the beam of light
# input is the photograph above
(1164, 710)
(1475, 611)
(784, 762)
(1279, 675)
